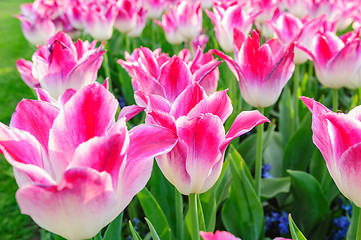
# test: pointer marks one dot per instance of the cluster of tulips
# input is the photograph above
(78, 166)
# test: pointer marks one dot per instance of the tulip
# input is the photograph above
(263, 71)
(338, 137)
(168, 77)
(62, 64)
(289, 28)
(195, 163)
(100, 18)
(182, 22)
(77, 169)
(154, 8)
(218, 235)
(130, 19)
(226, 19)
(337, 60)
(37, 29)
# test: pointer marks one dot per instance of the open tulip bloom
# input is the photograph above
(62, 64)
(194, 164)
(262, 71)
(76, 167)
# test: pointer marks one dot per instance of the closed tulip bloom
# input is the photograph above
(337, 60)
(195, 163)
(262, 71)
(338, 137)
(218, 235)
(171, 27)
(226, 19)
(189, 19)
(62, 64)
(76, 167)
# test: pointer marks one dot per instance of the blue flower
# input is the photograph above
(265, 171)
(277, 220)
(342, 223)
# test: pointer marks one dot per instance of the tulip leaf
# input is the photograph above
(154, 213)
(319, 170)
(295, 232)
(352, 230)
(114, 229)
(242, 213)
(312, 211)
(286, 119)
(299, 149)
(134, 232)
(152, 230)
(271, 187)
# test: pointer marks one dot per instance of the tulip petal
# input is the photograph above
(143, 81)
(243, 123)
(174, 168)
(188, 99)
(203, 136)
(84, 72)
(146, 141)
(129, 112)
(35, 117)
(162, 119)
(350, 168)
(25, 69)
(218, 104)
(78, 208)
(29, 161)
(89, 113)
(174, 77)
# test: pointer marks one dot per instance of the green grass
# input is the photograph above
(13, 46)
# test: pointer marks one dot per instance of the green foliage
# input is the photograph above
(242, 212)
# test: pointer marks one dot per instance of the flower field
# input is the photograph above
(180, 119)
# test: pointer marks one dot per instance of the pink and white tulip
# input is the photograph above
(76, 167)
(100, 18)
(262, 71)
(218, 235)
(288, 28)
(62, 64)
(130, 18)
(226, 19)
(182, 22)
(338, 137)
(337, 60)
(195, 163)
(157, 74)
(37, 29)
(154, 8)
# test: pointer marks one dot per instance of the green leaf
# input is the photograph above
(133, 232)
(286, 118)
(299, 149)
(273, 154)
(271, 187)
(114, 230)
(152, 230)
(312, 208)
(154, 213)
(242, 213)
(295, 232)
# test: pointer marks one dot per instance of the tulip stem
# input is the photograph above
(358, 234)
(335, 99)
(296, 83)
(258, 171)
(194, 216)
(179, 214)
